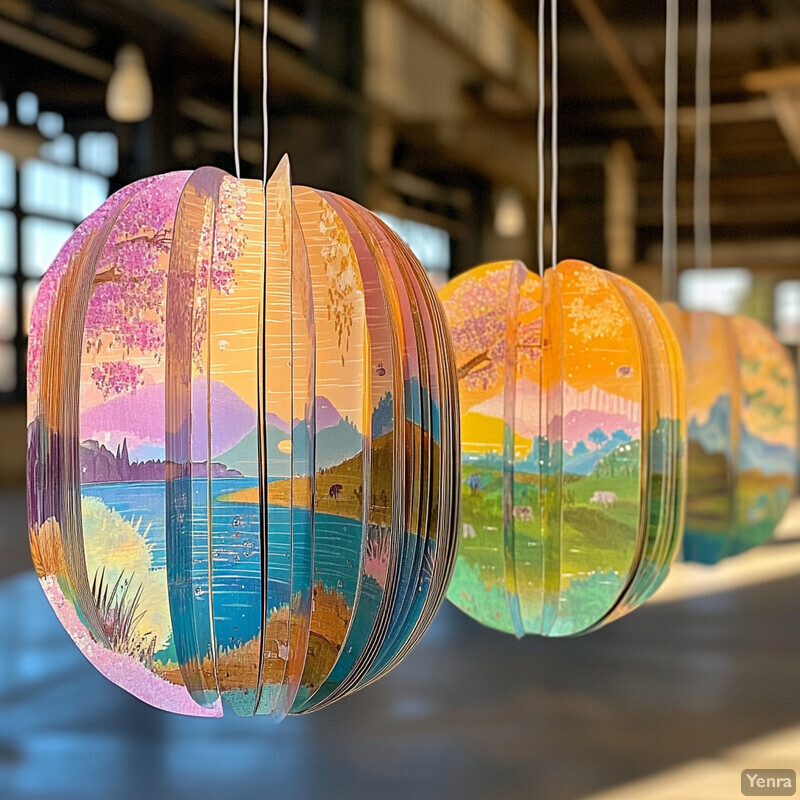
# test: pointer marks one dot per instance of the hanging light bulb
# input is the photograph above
(509, 215)
(130, 93)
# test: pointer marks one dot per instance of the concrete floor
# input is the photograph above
(469, 714)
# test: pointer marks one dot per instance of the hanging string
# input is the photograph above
(669, 248)
(702, 138)
(237, 23)
(264, 88)
(554, 130)
(540, 141)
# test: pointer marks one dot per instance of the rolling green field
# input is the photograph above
(591, 547)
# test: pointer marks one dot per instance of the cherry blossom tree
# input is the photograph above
(126, 310)
(477, 313)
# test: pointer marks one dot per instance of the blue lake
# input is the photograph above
(236, 552)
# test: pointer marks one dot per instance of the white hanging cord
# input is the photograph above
(554, 129)
(264, 92)
(669, 254)
(236, 47)
(540, 141)
(702, 138)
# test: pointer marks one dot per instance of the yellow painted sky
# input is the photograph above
(342, 383)
(233, 321)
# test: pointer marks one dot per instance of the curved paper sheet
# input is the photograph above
(768, 461)
(118, 383)
(568, 519)
(253, 388)
(742, 458)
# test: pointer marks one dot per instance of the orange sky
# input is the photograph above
(588, 335)
(598, 333)
(233, 322)
(342, 383)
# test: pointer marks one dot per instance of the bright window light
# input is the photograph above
(787, 311)
(429, 244)
(28, 108)
(41, 241)
(99, 152)
(720, 290)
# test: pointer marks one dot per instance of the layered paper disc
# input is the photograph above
(742, 412)
(572, 446)
(242, 445)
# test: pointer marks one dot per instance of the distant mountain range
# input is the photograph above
(754, 453)
(583, 459)
(334, 445)
(595, 406)
(578, 425)
(770, 459)
(138, 417)
(714, 435)
(588, 434)
(100, 465)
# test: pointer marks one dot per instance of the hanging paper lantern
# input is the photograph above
(741, 401)
(242, 444)
(572, 438)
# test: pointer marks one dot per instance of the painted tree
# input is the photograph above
(344, 285)
(580, 449)
(126, 311)
(477, 315)
(597, 437)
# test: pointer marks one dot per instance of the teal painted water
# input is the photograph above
(236, 549)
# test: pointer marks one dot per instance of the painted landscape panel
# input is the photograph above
(556, 484)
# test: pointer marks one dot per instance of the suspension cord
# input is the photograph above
(237, 24)
(702, 138)
(554, 130)
(669, 254)
(540, 143)
(264, 91)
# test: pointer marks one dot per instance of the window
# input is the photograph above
(429, 244)
(8, 243)
(41, 240)
(787, 311)
(720, 290)
(41, 201)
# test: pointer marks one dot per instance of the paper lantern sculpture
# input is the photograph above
(572, 438)
(741, 402)
(243, 444)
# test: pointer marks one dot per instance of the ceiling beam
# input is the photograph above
(742, 186)
(779, 252)
(782, 85)
(42, 46)
(213, 32)
(625, 67)
(745, 213)
(721, 114)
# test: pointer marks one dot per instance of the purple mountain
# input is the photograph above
(276, 422)
(139, 418)
(327, 416)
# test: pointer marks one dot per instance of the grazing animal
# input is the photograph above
(335, 491)
(469, 531)
(523, 513)
(605, 499)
